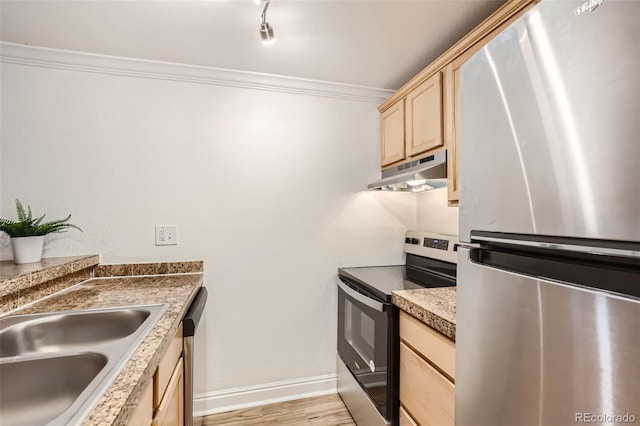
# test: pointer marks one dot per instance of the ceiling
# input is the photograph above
(377, 43)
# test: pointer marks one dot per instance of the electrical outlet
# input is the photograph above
(166, 235)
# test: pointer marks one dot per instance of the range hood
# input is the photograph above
(421, 174)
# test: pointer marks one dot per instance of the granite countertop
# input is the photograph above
(117, 403)
(436, 307)
(15, 278)
(48, 268)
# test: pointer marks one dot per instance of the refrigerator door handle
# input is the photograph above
(466, 253)
(585, 272)
(604, 251)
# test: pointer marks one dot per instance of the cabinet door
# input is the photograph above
(440, 350)
(405, 418)
(143, 413)
(392, 134)
(171, 409)
(164, 373)
(423, 124)
(451, 108)
(425, 393)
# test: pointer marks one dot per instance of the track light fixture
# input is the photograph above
(266, 30)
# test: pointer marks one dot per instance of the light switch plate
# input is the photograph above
(166, 235)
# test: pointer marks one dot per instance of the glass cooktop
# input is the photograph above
(381, 280)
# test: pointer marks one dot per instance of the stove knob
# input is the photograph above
(407, 240)
(415, 241)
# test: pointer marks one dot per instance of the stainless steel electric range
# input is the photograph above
(368, 324)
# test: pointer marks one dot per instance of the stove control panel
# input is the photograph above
(427, 244)
(436, 243)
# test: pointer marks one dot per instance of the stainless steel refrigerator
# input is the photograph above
(548, 316)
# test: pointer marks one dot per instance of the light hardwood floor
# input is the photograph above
(321, 411)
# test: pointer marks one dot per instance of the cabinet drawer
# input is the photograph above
(143, 413)
(439, 349)
(166, 367)
(425, 393)
(171, 409)
(405, 418)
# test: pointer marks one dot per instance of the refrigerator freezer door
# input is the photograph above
(534, 352)
(550, 125)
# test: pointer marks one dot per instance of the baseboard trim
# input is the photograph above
(13, 53)
(269, 393)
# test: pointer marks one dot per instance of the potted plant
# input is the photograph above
(27, 234)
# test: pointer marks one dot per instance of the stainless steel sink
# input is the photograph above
(52, 333)
(55, 366)
(36, 391)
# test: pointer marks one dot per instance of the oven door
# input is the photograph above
(367, 334)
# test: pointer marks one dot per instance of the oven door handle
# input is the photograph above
(378, 306)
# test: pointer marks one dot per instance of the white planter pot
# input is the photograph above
(27, 249)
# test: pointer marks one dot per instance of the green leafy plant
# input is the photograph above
(27, 226)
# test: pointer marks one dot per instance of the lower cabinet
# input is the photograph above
(162, 401)
(427, 371)
(406, 419)
(170, 412)
(168, 401)
(143, 413)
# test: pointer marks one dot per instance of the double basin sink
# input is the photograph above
(54, 367)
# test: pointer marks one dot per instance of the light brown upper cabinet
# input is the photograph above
(423, 123)
(452, 121)
(412, 125)
(428, 105)
(392, 134)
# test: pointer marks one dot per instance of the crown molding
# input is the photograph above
(113, 65)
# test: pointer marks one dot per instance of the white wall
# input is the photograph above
(434, 214)
(265, 187)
